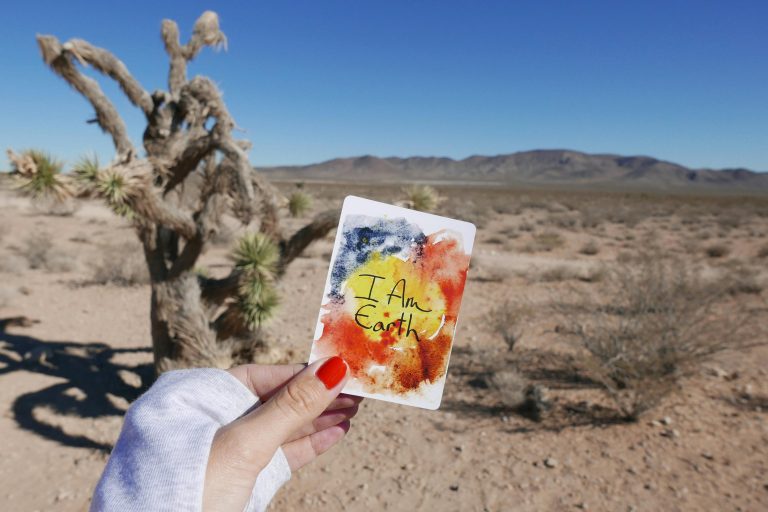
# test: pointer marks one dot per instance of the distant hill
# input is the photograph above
(539, 167)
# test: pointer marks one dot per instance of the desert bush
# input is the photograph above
(562, 220)
(717, 251)
(516, 393)
(590, 218)
(742, 280)
(557, 274)
(511, 387)
(590, 248)
(545, 242)
(593, 274)
(485, 271)
(527, 227)
(654, 323)
(495, 240)
(506, 320)
(469, 211)
(121, 265)
(299, 203)
(37, 249)
(629, 217)
(39, 253)
(422, 198)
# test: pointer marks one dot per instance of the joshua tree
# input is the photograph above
(188, 145)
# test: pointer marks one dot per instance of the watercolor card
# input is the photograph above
(392, 300)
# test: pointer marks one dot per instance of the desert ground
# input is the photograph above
(71, 367)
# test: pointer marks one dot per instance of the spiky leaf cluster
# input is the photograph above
(299, 203)
(39, 176)
(86, 172)
(422, 197)
(256, 256)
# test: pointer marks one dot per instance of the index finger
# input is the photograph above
(264, 380)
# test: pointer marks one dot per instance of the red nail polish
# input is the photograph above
(332, 371)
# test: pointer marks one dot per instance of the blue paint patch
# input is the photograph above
(362, 236)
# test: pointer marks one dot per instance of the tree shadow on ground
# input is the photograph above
(92, 381)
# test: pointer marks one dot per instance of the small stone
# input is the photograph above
(666, 420)
(583, 505)
(454, 487)
(550, 462)
(716, 371)
(707, 455)
(670, 433)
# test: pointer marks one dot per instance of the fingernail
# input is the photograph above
(332, 371)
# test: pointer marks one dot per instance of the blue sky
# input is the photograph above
(313, 80)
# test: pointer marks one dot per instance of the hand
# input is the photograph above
(302, 412)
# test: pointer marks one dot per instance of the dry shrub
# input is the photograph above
(590, 218)
(467, 210)
(516, 393)
(742, 280)
(590, 248)
(557, 274)
(121, 265)
(495, 240)
(762, 253)
(37, 249)
(654, 323)
(593, 274)
(562, 220)
(717, 251)
(39, 253)
(545, 242)
(485, 271)
(511, 387)
(506, 319)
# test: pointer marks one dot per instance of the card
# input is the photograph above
(392, 298)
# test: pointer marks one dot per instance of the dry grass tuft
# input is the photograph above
(506, 319)
(545, 242)
(121, 265)
(590, 248)
(39, 253)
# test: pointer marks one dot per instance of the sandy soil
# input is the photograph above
(66, 379)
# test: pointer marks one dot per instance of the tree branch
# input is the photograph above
(205, 33)
(105, 62)
(318, 228)
(59, 58)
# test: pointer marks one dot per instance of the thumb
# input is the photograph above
(298, 403)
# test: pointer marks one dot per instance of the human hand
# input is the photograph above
(302, 412)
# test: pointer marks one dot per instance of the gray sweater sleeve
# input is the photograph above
(160, 458)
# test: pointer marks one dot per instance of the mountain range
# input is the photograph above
(537, 167)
